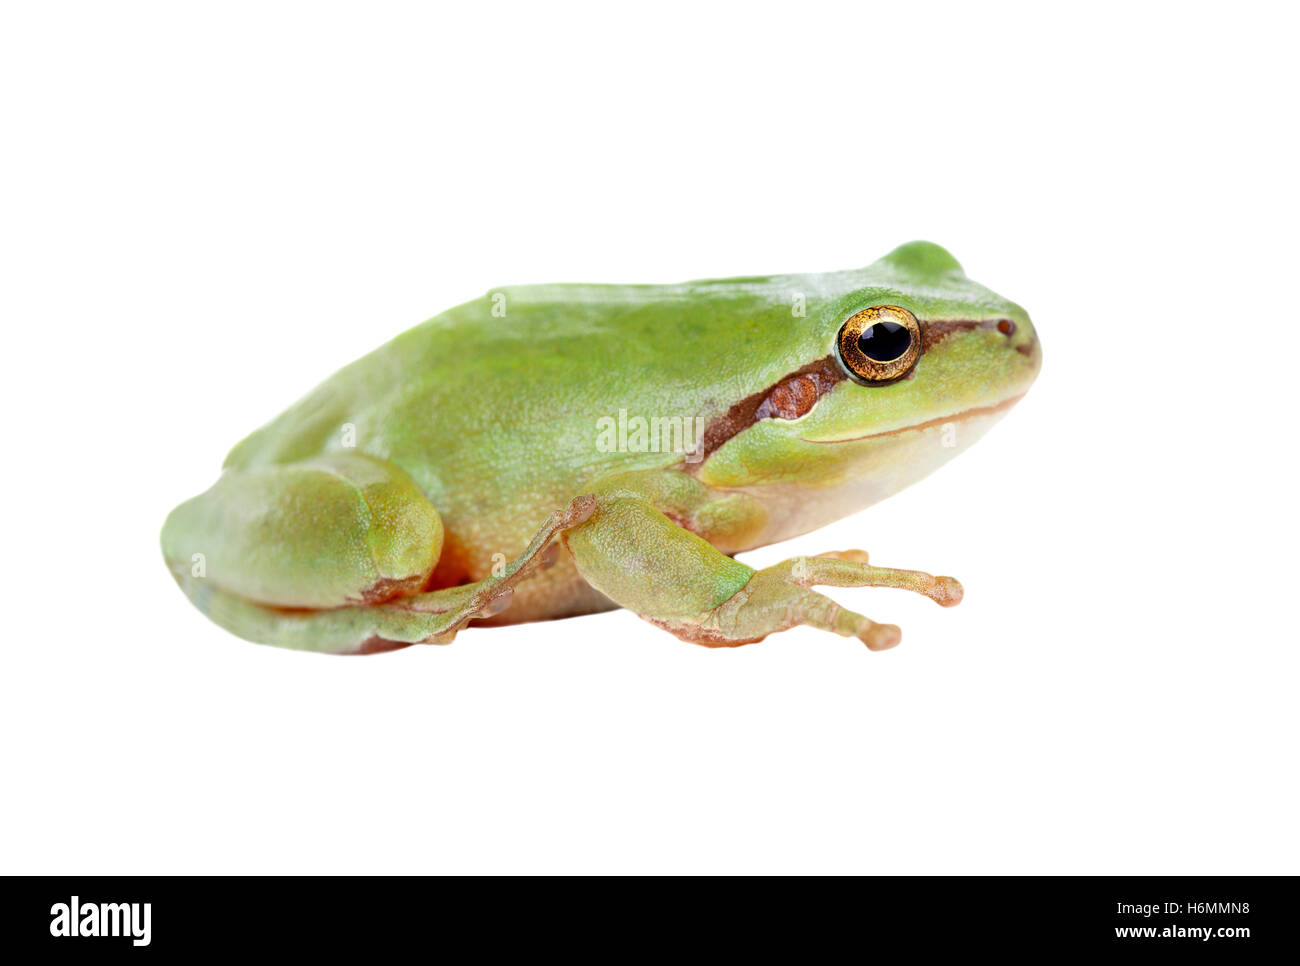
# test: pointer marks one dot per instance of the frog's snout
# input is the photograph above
(1022, 337)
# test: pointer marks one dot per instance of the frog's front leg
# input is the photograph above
(632, 551)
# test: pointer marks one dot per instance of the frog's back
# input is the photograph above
(535, 366)
(496, 407)
(513, 386)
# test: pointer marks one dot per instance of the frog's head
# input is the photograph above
(913, 362)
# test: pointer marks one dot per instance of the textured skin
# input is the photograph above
(494, 421)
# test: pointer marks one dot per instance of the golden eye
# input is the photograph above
(880, 344)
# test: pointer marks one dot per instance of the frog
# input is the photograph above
(548, 451)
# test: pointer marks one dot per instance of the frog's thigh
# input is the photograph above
(341, 529)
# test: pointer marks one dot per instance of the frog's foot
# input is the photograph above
(433, 617)
(778, 598)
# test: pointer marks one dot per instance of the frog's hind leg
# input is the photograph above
(341, 630)
(364, 629)
(340, 529)
(432, 617)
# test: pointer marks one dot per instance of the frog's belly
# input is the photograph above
(558, 591)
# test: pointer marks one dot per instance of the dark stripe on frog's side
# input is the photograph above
(796, 394)
(789, 398)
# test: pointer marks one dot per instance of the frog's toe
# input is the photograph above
(847, 623)
(849, 568)
(881, 637)
(947, 591)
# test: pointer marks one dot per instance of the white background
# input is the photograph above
(206, 210)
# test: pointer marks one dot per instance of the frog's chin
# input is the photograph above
(881, 464)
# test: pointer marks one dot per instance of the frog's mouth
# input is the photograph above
(964, 415)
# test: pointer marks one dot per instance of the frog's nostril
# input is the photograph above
(1007, 327)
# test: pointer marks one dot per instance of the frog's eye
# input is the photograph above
(880, 344)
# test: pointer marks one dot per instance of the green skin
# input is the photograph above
(468, 470)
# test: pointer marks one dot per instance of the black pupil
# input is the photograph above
(885, 341)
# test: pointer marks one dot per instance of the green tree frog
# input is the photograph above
(554, 450)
